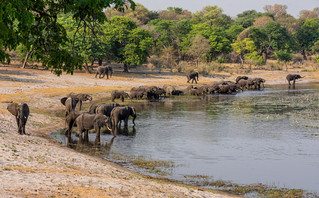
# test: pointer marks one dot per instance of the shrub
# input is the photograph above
(220, 60)
(317, 59)
(254, 58)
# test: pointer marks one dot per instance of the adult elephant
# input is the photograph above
(169, 89)
(80, 97)
(69, 122)
(293, 77)
(192, 76)
(104, 70)
(70, 105)
(21, 112)
(122, 113)
(106, 109)
(119, 95)
(87, 121)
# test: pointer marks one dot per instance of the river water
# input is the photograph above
(269, 136)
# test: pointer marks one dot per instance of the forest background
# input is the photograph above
(175, 39)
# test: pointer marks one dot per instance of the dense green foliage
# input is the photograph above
(65, 35)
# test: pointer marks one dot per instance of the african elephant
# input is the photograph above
(293, 77)
(70, 105)
(93, 107)
(21, 112)
(192, 76)
(195, 92)
(138, 94)
(169, 89)
(104, 70)
(122, 113)
(69, 122)
(119, 94)
(259, 82)
(80, 98)
(243, 83)
(177, 92)
(106, 109)
(87, 121)
(241, 77)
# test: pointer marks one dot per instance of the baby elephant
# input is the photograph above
(119, 94)
(87, 121)
(21, 112)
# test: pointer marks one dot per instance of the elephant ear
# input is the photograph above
(63, 100)
(133, 111)
(13, 109)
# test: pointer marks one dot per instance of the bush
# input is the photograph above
(254, 58)
(220, 60)
(317, 59)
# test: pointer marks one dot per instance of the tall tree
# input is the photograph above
(307, 35)
(34, 23)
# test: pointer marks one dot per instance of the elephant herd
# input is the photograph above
(97, 116)
(111, 115)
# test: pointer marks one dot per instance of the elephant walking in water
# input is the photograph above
(87, 121)
(192, 76)
(122, 113)
(293, 77)
(21, 112)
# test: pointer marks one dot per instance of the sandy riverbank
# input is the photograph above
(35, 166)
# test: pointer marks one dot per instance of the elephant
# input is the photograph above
(138, 94)
(259, 82)
(241, 77)
(192, 76)
(69, 122)
(293, 77)
(106, 109)
(70, 105)
(87, 121)
(227, 89)
(80, 98)
(243, 83)
(93, 107)
(177, 92)
(21, 112)
(104, 70)
(169, 89)
(195, 92)
(119, 94)
(122, 113)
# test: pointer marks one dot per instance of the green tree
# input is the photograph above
(129, 44)
(284, 56)
(199, 48)
(243, 47)
(307, 35)
(34, 24)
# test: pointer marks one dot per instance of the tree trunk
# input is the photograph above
(125, 67)
(86, 68)
(26, 58)
(303, 52)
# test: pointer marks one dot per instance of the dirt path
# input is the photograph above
(35, 166)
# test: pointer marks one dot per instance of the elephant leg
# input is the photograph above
(122, 98)
(80, 135)
(80, 104)
(86, 135)
(97, 138)
(96, 74)
(126, 122)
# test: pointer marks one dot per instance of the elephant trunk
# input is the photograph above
(134, 120)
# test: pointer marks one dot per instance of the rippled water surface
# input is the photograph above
(269, 136)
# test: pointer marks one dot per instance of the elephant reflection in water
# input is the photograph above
(90, 147)
(125, 131)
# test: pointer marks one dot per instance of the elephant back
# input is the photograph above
(13, 108)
